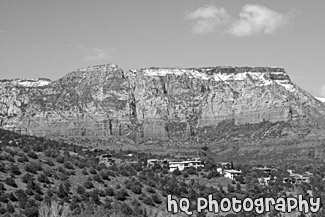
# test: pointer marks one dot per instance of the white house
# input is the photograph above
(181, 165)
(152, 162)
(231, 174)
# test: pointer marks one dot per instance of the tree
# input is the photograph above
(10, 208)
(27, 177)
(61, 192)
(88, 184)
(156, 199)
(15, 169)
(11, 182)
(43, 178)
(81, 190)
(121, 195)
(136, 189)
(94, 196)
(32, 155)
(109, 191)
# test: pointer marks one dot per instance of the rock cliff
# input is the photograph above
(162, 104)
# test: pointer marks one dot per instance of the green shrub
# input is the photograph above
(27, 177)
(49, 162)
(121, 195)
(31, 212)
(148, 201)
(2, 187)
(156, 199)
(98, 178)
(4, 198)
(92, 171)
(12, 197)
(33, 167)
(126, 210)
(26, 149)
(10, 208)
(136, 189)
(3, 211)
(60, 159)
(3, 167)
(21, 195)
(11, 182)
(150, 190)
(68, 165)
(61, 193)
(43, 178)
(81, 190)
(84, 172)
(88, 184)
(32, 155)
(23, 159)
(104, 175)
(109, 191)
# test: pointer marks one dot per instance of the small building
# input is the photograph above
(106, 159)
(300, 178)
(231, 174)
(266, 180)
(152, 162)
(181, 165)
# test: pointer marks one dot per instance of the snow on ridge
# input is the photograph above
(322, 99)
(260, 78)
(204, 74)
(32, 82)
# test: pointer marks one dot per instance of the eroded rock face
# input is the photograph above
(155, 103)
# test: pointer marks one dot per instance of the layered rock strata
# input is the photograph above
(154, 103)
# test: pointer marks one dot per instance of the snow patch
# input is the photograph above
(259, 78)
(322, 99)
(32, 82)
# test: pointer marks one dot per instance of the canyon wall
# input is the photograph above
(154, 103)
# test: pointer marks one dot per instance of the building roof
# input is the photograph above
(232, 171)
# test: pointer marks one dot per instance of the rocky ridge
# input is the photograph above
(166, 105)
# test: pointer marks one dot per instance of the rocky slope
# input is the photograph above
(172, 107)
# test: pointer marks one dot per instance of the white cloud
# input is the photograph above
(258, 19)
(206, 19)
(92, 54)
(253, 19)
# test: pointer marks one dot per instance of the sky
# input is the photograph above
(50, 38)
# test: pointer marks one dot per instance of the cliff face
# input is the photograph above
(155, 103)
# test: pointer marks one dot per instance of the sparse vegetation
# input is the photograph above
(56, 180)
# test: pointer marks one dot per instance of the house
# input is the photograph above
(106, 159)
(300, 178)
(152, 162)
(231, 174)
(266, 180)
(181, 165)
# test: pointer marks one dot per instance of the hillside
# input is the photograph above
(37, 171)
